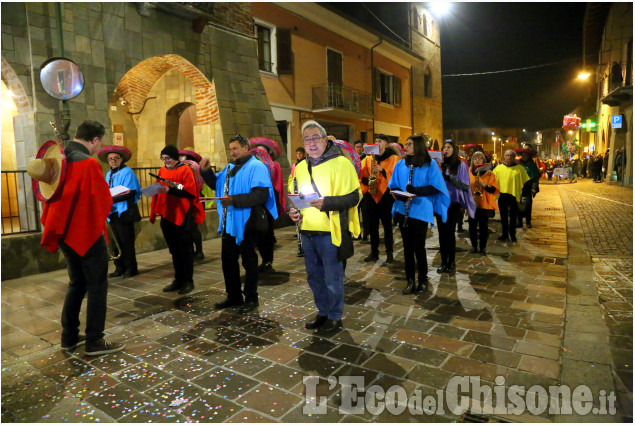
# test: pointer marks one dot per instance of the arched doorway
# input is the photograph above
(169, 100)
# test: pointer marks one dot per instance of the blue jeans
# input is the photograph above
(325, 274)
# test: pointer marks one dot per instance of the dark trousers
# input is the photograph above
(88, 278)
(447, 235)
(230, 252)
(179, 240)
(266, 240)
(478, 228)
(364, 208)
(529, 201)
(508, 208)
(381, 212)
(414, 246)
(125, 235)
(197, 239)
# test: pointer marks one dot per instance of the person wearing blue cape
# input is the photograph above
(246, 190)
(417, 174)
(124, 212)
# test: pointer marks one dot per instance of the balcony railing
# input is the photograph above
(21, 211)
(336, 96)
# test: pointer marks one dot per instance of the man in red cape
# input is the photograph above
(74, 220)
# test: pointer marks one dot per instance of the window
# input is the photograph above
(266, 36)
(387, 88)
(427, 82)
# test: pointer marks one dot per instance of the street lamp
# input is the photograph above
(583, 75)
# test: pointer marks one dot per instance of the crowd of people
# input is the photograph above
(338, 193)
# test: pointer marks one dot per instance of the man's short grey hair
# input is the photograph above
(314, 124)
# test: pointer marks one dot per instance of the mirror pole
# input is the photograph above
(65, 113)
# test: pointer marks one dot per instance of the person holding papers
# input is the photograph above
(327, 224)
(374, 177)
(245, 194)
(124, 212)
(175, 205)
(484, 190)
(420, 192)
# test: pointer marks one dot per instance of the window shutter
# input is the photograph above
(285, 54)
(377, 78)
(397, 90)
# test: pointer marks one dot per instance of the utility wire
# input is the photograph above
(510, 70)
(385, 26)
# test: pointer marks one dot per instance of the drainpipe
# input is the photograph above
(65, 113)
(372, 79)
(412, 102)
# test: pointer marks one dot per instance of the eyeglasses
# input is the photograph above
(167, 158)
(314, 139)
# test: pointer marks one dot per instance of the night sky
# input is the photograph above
(485, 37)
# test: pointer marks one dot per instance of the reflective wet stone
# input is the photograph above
(208, 408)
(142, 376)
(187, 367)
(119, 400)
(225, 383)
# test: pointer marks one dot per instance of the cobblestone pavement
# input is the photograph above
(606, 216)
(501, 315)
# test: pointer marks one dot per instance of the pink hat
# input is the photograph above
(125, 153)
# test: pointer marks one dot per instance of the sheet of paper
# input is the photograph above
(118, 190)
(401, 193)
(371, 149)
(150, 191)
(437, 156)
(302, 201)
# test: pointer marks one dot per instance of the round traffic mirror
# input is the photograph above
(61, 78)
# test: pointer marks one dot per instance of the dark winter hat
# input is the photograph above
(171, 151)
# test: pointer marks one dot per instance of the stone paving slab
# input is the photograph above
(504, 316)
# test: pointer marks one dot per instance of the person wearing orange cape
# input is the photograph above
(484, 189)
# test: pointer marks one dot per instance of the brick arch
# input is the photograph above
(139, 80)
(14, 84)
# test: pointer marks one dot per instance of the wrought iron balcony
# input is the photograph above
(337, 100)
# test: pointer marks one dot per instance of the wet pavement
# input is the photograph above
(521, 313)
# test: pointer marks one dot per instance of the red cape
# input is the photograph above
(174, 208)
(278, 185)
(78, 213)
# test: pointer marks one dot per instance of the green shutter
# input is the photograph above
(285, 54)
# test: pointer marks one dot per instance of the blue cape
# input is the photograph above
(253, 174)
(124, 177)
(421, 207)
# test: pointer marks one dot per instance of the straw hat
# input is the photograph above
(189, 152)
(124, 152)
(47, 170)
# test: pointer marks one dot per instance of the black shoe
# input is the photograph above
(227, 303)
(483, 252)
(116, 273)
(374, 256)
(503, 238)
(248, 307)
(330, 326)
(529, 226)
(450, 268)
(198, 256)
(410, 287)
(316, 323)
(101, 346)
(473, 250)
(512, 238)
(365, 238)
(130, 274)
(300, 253)
(187, 288)
(265, 267)
(389, 258)
(422, 286)
(174, 286)
(441, 269)
(81, 340)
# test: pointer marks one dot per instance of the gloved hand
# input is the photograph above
(410, 188)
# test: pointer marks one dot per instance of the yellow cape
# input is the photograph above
(511, 179)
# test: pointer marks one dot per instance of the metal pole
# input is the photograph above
(65, 113)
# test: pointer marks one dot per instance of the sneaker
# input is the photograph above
(101, 346)
(81, 340)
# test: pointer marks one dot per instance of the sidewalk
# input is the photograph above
(512, 314)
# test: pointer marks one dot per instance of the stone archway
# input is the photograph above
(154, 86)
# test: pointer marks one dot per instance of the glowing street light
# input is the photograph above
(440, 8)
(583, 75)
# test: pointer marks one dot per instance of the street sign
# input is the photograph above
(616, 121)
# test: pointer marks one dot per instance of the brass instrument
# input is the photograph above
(372, 179)
(297, 223)
(477, 190)
(117, 249)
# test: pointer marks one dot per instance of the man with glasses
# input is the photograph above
(178, 217)
(327, 224)
(510, 177)
(245, 191)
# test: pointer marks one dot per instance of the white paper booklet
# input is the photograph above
(118, 190)
(302, 201)
(150, 191)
